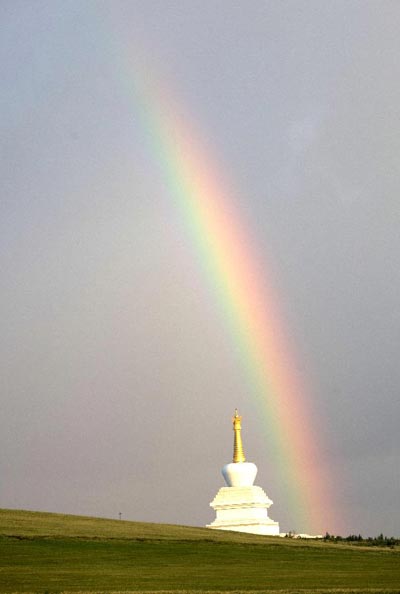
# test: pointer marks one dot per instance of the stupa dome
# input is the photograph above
(239, 474)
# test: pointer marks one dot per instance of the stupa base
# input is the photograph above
(243, 509)
(267, 529)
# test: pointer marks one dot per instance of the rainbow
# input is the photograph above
(249, 304)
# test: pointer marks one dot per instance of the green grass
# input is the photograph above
(42, 552)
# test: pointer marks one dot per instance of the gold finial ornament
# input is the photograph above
(238, 453)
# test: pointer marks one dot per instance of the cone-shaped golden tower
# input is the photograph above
(238, 453)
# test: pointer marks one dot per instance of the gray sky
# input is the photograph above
(118, 375)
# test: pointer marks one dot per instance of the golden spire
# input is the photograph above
(238, 453)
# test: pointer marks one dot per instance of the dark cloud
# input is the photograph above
(118, 375)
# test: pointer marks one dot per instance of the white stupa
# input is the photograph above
(241, 506)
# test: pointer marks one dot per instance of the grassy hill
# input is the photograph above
(42, 552)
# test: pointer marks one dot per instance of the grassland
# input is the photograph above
(41, 552)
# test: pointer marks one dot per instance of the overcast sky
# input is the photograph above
(118, 375)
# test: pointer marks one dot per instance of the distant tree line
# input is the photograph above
(377, 541)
